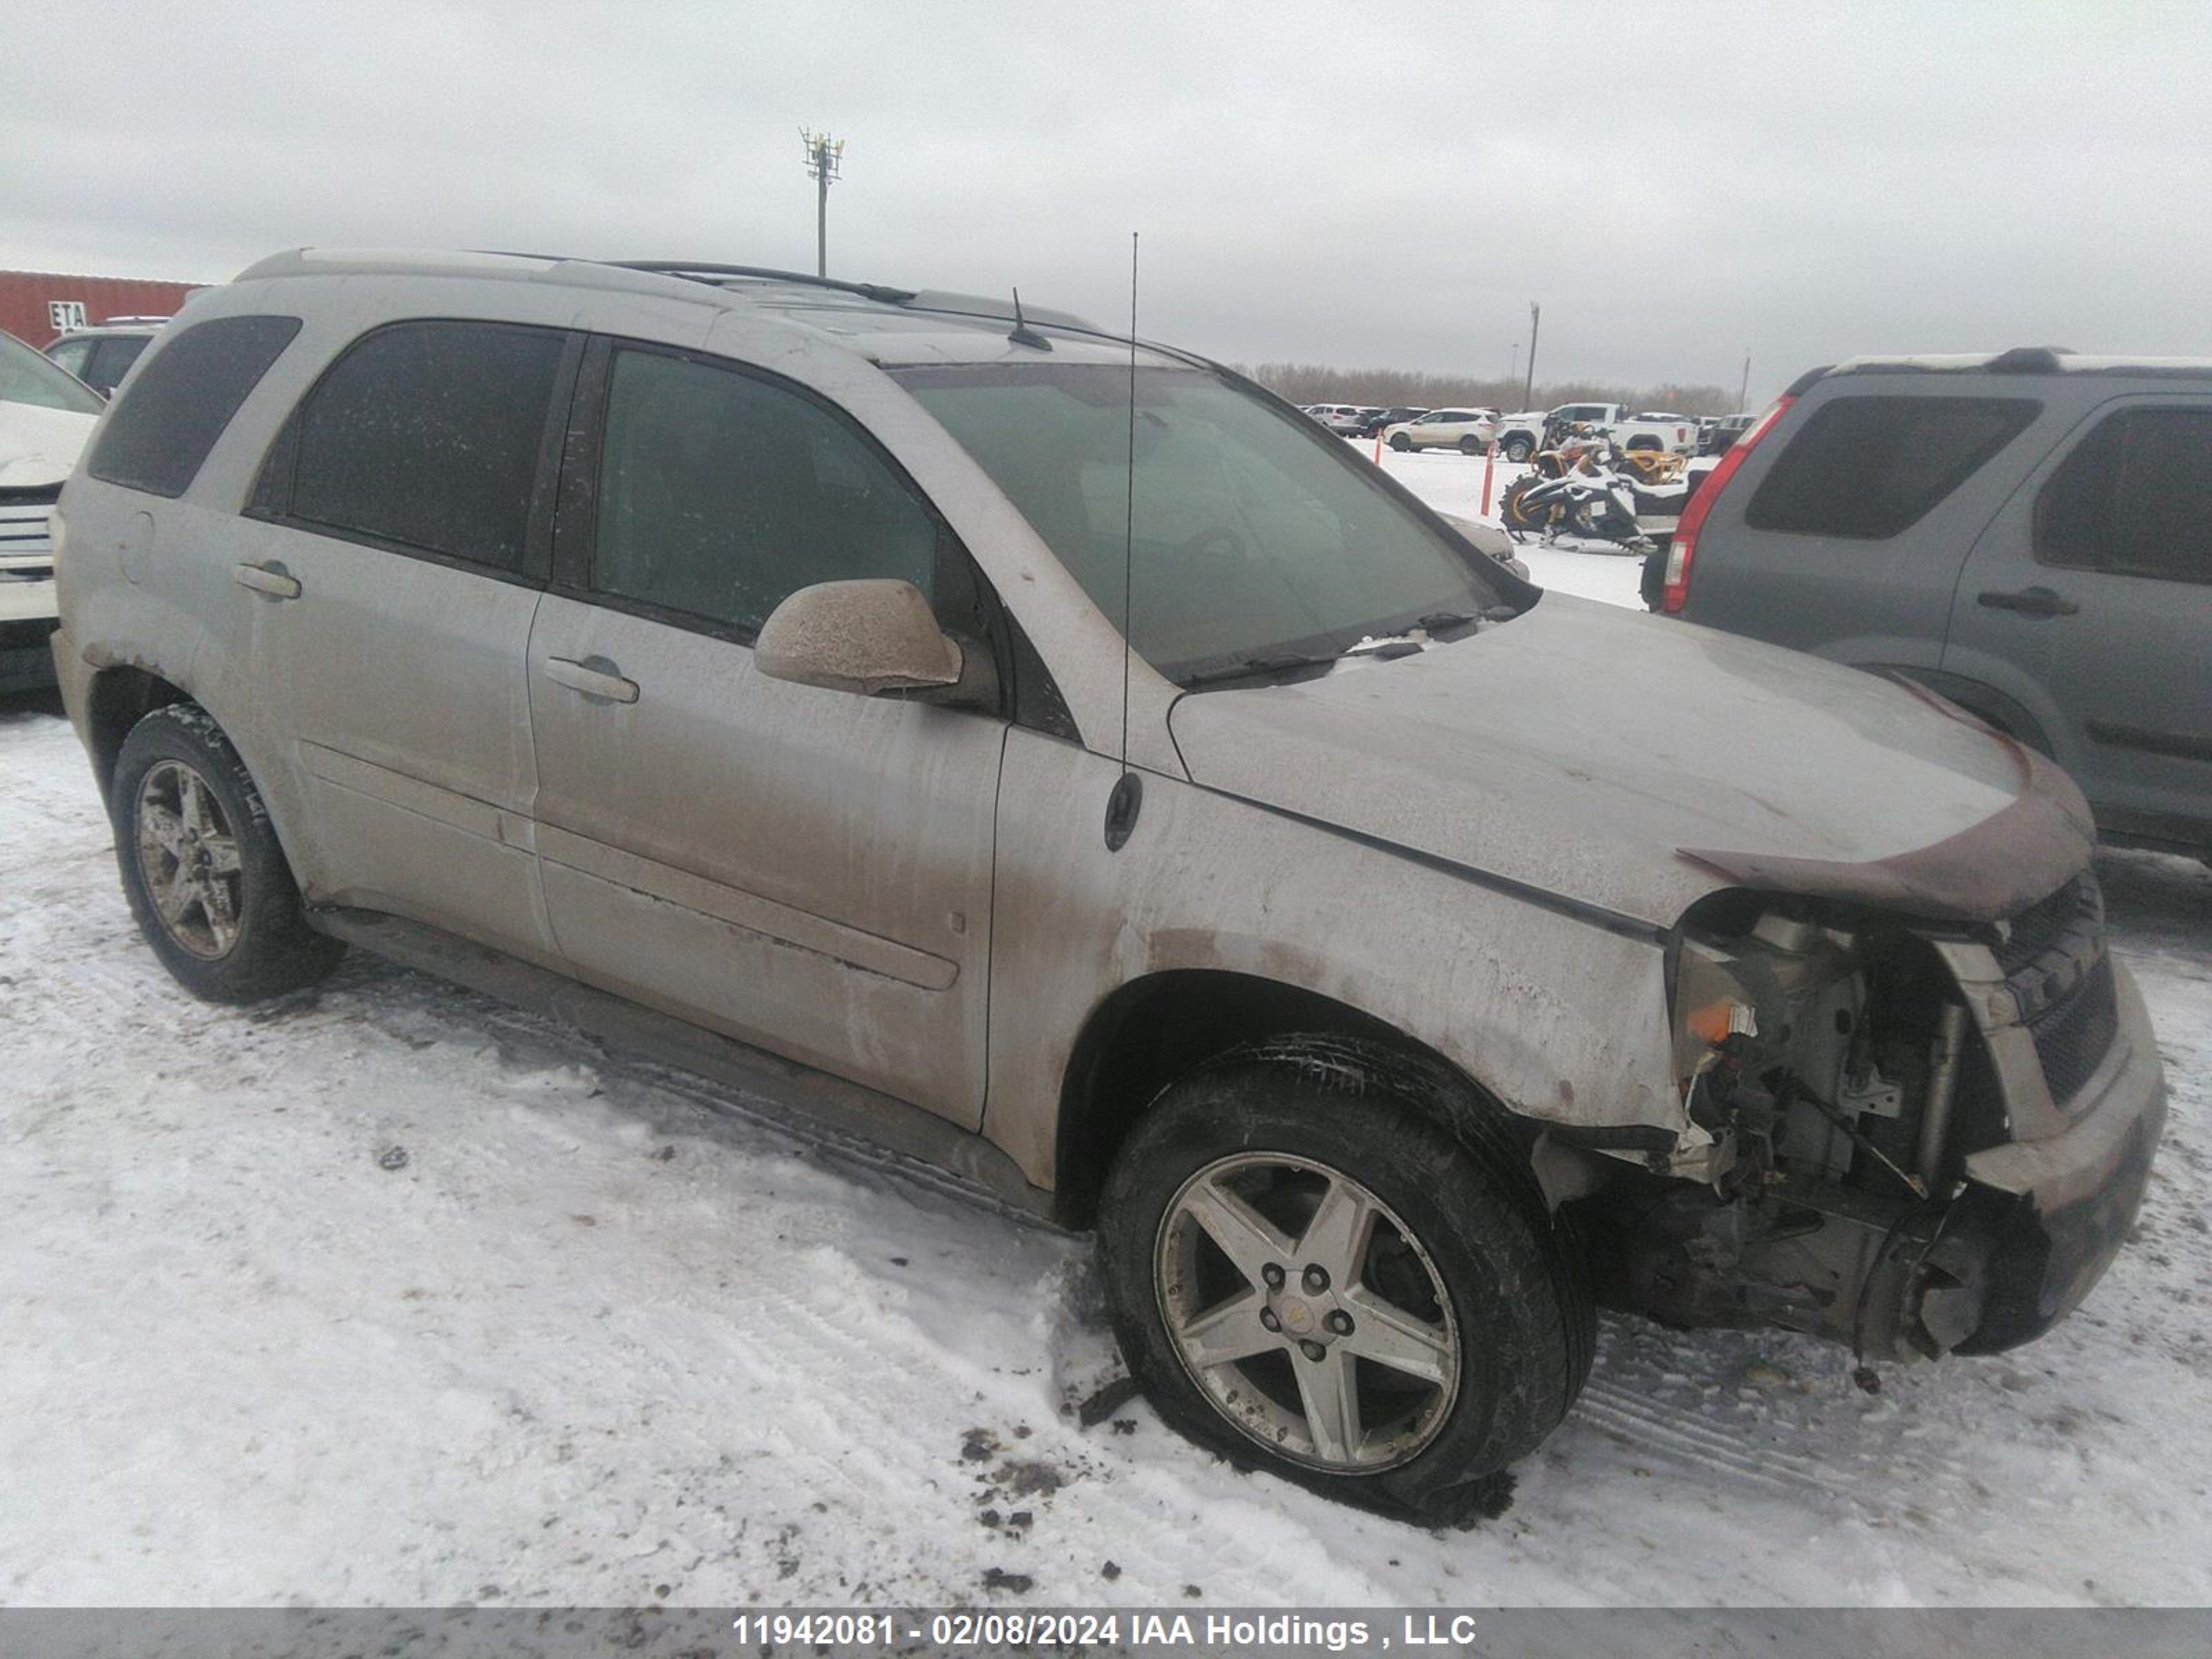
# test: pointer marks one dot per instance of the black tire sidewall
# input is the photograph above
(1484, 1230)
(277, 952)
(1517, 450)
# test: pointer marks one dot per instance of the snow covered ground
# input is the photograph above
(390, 1295)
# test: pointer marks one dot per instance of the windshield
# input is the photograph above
(27, 378)
(1257, 534)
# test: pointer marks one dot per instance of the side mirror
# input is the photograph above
(857, 636)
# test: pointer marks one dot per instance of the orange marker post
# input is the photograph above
(1489, 461)
(1378, 446)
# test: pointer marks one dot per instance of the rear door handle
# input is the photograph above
(265, 579)
(595, 678)
(2029, 602)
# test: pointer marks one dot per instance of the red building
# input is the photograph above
(35, 305)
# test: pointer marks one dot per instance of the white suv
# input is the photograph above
(1387, 958)
(1467, 430)
(45, 418)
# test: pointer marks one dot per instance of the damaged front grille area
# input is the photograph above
(2056, 967)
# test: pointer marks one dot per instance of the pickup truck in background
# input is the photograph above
(1521, 436)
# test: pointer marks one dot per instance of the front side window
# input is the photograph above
(427, 434)
(721, 494)
(2134, 498)
(1251, 535)
(27, 377)
(158, 436)
(1868, 468)
(111, 360)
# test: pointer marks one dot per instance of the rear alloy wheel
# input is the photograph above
(206, 880)
(1329, 1258)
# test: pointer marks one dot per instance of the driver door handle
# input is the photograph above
(590, 681)
(2029, 602)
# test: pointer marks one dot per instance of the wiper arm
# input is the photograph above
(1246, 668)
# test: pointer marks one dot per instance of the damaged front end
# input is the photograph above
(1928, 1137)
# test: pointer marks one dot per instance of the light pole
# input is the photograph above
(824, 157)
(1513, 364)
(1744, 390)
(1529, 391)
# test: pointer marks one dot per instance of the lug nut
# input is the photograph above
(1273, 1275)
(1268, 1321)
(1312, 1350)
(1341, 1322)
(1316, 1278)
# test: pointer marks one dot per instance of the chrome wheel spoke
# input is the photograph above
(1326, 1387)
(222, 915)
(1249, 1239)
(1228, 1332)
(1336, 1238)
(157, 824)
(1390, 1336)
(174, 895)
(223, 854)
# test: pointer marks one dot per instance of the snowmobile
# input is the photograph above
(1594, 489)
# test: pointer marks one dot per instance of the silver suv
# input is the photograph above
(1388, 959)
(2028, 534)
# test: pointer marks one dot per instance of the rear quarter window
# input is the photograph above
(158, 433)
(1867, 468)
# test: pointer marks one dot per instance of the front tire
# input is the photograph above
(206, 880)
(1310, 1273)
(1400, 442)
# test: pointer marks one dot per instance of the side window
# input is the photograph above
(426, 435)
(1865, 468)
(721, 494)
(156, 437)
(2133, 498)
(72, 355)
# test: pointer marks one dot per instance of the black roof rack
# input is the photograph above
(706, 271)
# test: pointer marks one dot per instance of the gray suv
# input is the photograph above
(2028, 534)
(1386, 958)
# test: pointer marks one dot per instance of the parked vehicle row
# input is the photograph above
(1388, 958)
(1522, 435)
(2029, 535)
(45, 418)
(101, 355)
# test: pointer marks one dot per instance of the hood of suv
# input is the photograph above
(38, 446)
(1622, 761)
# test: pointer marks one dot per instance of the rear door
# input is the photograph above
(806, 870)
(389, 563)
(1845, 533)
(2088, 603)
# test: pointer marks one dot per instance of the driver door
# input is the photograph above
(806, 870)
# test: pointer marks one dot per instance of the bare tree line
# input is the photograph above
(1318, 383)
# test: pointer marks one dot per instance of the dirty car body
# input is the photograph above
(1783, 990)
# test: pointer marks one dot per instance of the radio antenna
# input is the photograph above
(1122, 806)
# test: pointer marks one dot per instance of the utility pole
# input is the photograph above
(1529, 391)
(1513, 364)
(825, 156)
(1744, 390)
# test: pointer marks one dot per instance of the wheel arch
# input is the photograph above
(1155, 1028)
(116, 699)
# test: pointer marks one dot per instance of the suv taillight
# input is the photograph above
(1684, 548)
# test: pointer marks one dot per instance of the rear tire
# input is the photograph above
(1471, 446)
(1449, 1264)
(206, 881)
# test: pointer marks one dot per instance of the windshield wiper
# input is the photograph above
(1246, 668)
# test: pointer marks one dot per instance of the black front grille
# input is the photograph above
(2055, 966)
(2074, 1034)
(30, 494)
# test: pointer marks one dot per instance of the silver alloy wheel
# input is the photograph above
(1307, 1311)
(188, 858)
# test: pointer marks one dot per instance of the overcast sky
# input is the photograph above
(1358, 184)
